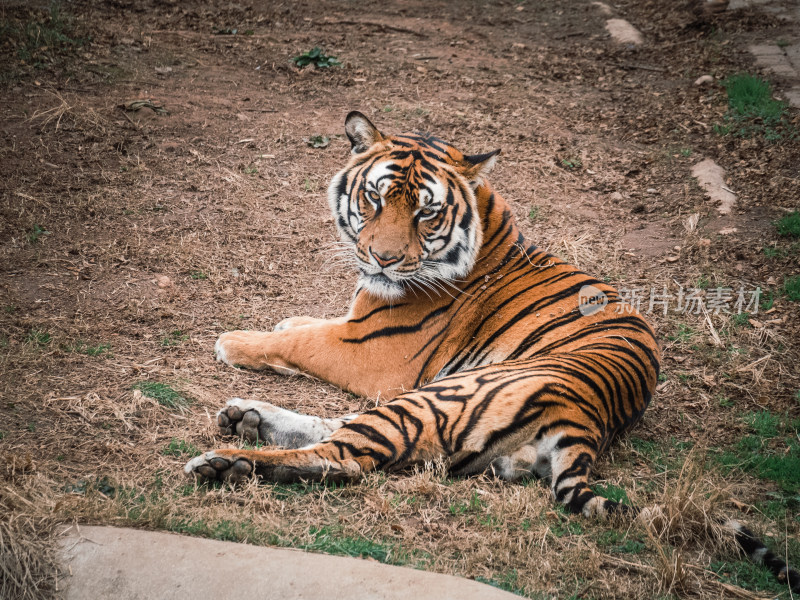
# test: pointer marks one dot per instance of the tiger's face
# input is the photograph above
(406, 207)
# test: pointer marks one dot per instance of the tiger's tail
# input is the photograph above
(757, 551)
(747, 542)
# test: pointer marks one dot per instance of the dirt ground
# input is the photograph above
(129, 240)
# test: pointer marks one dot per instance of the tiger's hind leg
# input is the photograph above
(365, 443)
(567, 461)
(522, 464)
(571, 461)
(264, 422)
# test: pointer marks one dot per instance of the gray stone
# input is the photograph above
(131, 564)
(793, 96)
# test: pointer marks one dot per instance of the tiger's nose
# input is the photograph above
(385, 260)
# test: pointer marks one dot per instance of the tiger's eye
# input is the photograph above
(374, 196)
(427, 212)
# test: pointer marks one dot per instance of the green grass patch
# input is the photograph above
(225, 530)
(41, 38)
(180, 448)
(781, 505)
(81, 347)
(508, 581)
(750, 577)
(752, 111)
(663, 455)
(789, 225)
(288, 491)
(609, 491)
(174, 338)
(571, 163)
(198, 275)
(317, 57)
(621, 542)
(99, 484)
(330, 541)
(566, 528)
(791, 287)
(767, 301)
(683, 334)
(741, 320)
(724, 401)
(771, 451)
(36, 232)
(473, 505)
(38, 338)
(164, 394)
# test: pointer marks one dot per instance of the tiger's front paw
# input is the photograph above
(213, 467)
(251, 350)
(293, 322)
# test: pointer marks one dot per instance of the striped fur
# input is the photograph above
(477, 339)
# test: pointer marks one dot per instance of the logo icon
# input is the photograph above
(591, 300)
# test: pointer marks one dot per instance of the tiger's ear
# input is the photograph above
(478, 165)
(361, 132)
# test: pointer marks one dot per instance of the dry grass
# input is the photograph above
(118, 230)
(29, 566)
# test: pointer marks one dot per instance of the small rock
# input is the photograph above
(616, 196)
(163, 281)
(704, 79)
(771, 280)
(604, 8)
(709, 8)
(704, 243)
(652, 191)
(623, 32)
(163, 70)
(672, 259)
(711, 178)
(728, 230)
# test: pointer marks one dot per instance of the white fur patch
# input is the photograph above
(219, 351)
(285, 423)
(198, 461)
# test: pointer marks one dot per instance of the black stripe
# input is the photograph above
(397, 329)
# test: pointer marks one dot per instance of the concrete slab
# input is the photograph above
(773, 59)
(737, 4)
(131, 564)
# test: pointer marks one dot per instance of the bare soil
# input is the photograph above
(130, 240)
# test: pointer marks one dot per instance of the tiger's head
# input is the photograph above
(406, 207)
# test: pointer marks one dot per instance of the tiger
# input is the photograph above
(487, 353)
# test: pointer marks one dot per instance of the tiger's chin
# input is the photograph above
(381, 286)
